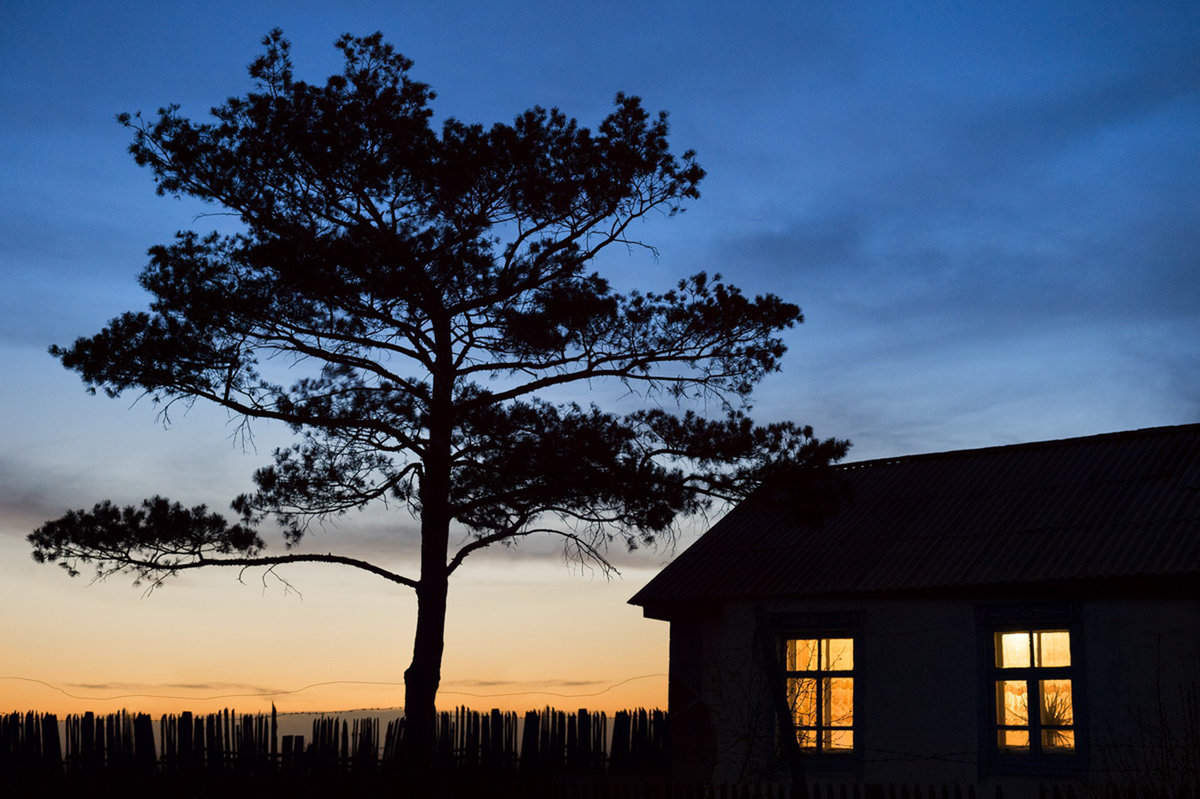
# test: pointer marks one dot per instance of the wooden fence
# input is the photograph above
(549, 753)
(544, 742)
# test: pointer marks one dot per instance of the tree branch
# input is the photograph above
(588, 551)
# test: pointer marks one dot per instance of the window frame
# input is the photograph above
(824, 626)
(1036, 759)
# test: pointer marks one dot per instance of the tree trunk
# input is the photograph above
(423, 676)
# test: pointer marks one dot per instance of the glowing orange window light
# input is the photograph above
(1034, 704)
(820, 690)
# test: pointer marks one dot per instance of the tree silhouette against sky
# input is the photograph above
(427, 295)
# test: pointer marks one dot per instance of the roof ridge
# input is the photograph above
(1144, 432)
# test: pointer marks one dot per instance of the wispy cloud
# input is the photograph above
(28, 494)
(514, 683)
(550, 687)
(199, 692)
(204, 692)
(171, 686)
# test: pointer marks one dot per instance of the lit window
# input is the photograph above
(1033, 688)
(820, 683)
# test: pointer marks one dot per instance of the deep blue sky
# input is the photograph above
(990, 212)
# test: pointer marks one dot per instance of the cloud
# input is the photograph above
(217, 690)
(556, 683)
(544, 687)
(32, 492)
(989, 235)
(172, 686)
(111, 691)
(28, 495)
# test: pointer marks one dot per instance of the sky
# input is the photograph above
(989, 212)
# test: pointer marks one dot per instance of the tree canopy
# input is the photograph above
(411, 299)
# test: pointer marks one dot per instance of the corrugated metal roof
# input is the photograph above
(1109, 506)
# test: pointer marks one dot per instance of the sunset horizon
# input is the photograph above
(987, 217)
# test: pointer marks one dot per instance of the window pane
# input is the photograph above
(839, 701)
(1058, 740)
(1012, 650)
(1012, 703)
(802, 655)
(1052, 648)
(1056, 702)
(821, 692)
(1013, 739)
(839, 739)
(802, 696)
(839, 654)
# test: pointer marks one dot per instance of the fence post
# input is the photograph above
(51, 745)
(143, 742)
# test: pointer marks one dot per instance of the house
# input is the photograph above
(1013, 616)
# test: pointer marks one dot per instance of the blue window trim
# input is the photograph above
(847, 624)
(1028, 616)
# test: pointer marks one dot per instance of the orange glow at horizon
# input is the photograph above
(20, 694)
(520, 636)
